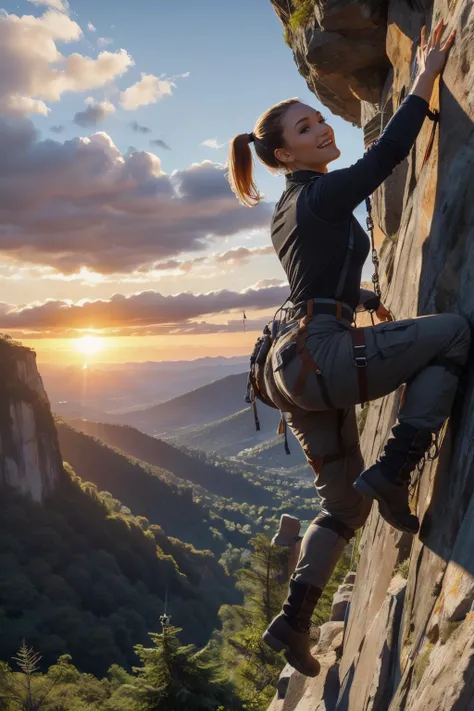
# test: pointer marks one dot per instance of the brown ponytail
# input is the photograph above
(240, 174)
(268, 136)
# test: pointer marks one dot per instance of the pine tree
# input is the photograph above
(27, 690)
(175, 677)
(255, 666)
(263, 594)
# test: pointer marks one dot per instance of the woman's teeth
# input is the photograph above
(326, 143)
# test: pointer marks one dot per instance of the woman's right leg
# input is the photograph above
(431, 368)
(427, 353)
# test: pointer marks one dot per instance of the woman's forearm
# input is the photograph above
(423, 85)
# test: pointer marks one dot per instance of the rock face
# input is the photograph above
(341, 52)
(30, 459)
(409, 641)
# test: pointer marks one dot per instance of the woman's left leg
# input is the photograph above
(331, 444)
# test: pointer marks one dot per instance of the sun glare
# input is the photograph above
(89, 345)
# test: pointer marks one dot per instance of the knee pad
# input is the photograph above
(448, 365)
(327, 521)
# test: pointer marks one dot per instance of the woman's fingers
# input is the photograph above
(439, 31)
(434, 34)
(423, 36)
(449, 41)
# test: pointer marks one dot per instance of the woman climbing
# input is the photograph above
(320, 366)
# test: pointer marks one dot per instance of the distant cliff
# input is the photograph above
(409, 637)
(30, 459)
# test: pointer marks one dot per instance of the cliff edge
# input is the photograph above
(30, 459)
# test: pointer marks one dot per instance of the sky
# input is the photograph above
(120, 239)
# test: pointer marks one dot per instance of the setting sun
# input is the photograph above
(89, 345)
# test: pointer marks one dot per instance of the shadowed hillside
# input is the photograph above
(215, 479)
(148, 491)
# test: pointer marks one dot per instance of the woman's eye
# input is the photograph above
(304, 129)
(323, 119)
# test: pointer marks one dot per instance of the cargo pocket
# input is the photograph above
(284, 356)
(395, 337)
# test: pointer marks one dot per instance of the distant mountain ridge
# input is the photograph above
(117, 387)
(229, 435)
(207, 403)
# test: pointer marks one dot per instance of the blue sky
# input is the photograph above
(224, 63)
(239, 66)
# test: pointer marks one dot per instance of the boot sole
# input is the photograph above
(278, 646)
(369, 493)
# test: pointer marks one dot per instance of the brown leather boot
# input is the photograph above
(289, 631)
(389, 479)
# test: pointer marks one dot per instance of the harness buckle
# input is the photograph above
(360, 361)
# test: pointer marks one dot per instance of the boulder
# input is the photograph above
(329, 632)
(340, 604)
(350, 578)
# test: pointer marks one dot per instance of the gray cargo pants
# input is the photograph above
(426, 353)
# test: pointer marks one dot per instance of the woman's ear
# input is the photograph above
(283, 155)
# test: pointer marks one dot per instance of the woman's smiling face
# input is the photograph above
(309, 141)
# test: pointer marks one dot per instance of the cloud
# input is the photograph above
(160, 144)
(33, 71)
(203, 327)
(135, 126)
(148, 90)
(91, 27)
(25, 105)
(169, 329)
(60, 5)
(264, 283)
(57, 129)
(212, 143)
(83, 204)
(147, 272)
(141, 310)
(240, 255)
(234, 257)
(104, 41)
(94, 114)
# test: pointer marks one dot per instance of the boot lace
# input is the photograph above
(431, 454)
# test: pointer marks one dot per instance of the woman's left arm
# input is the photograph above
(334, 196)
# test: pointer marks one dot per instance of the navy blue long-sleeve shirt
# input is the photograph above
(311, 221)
